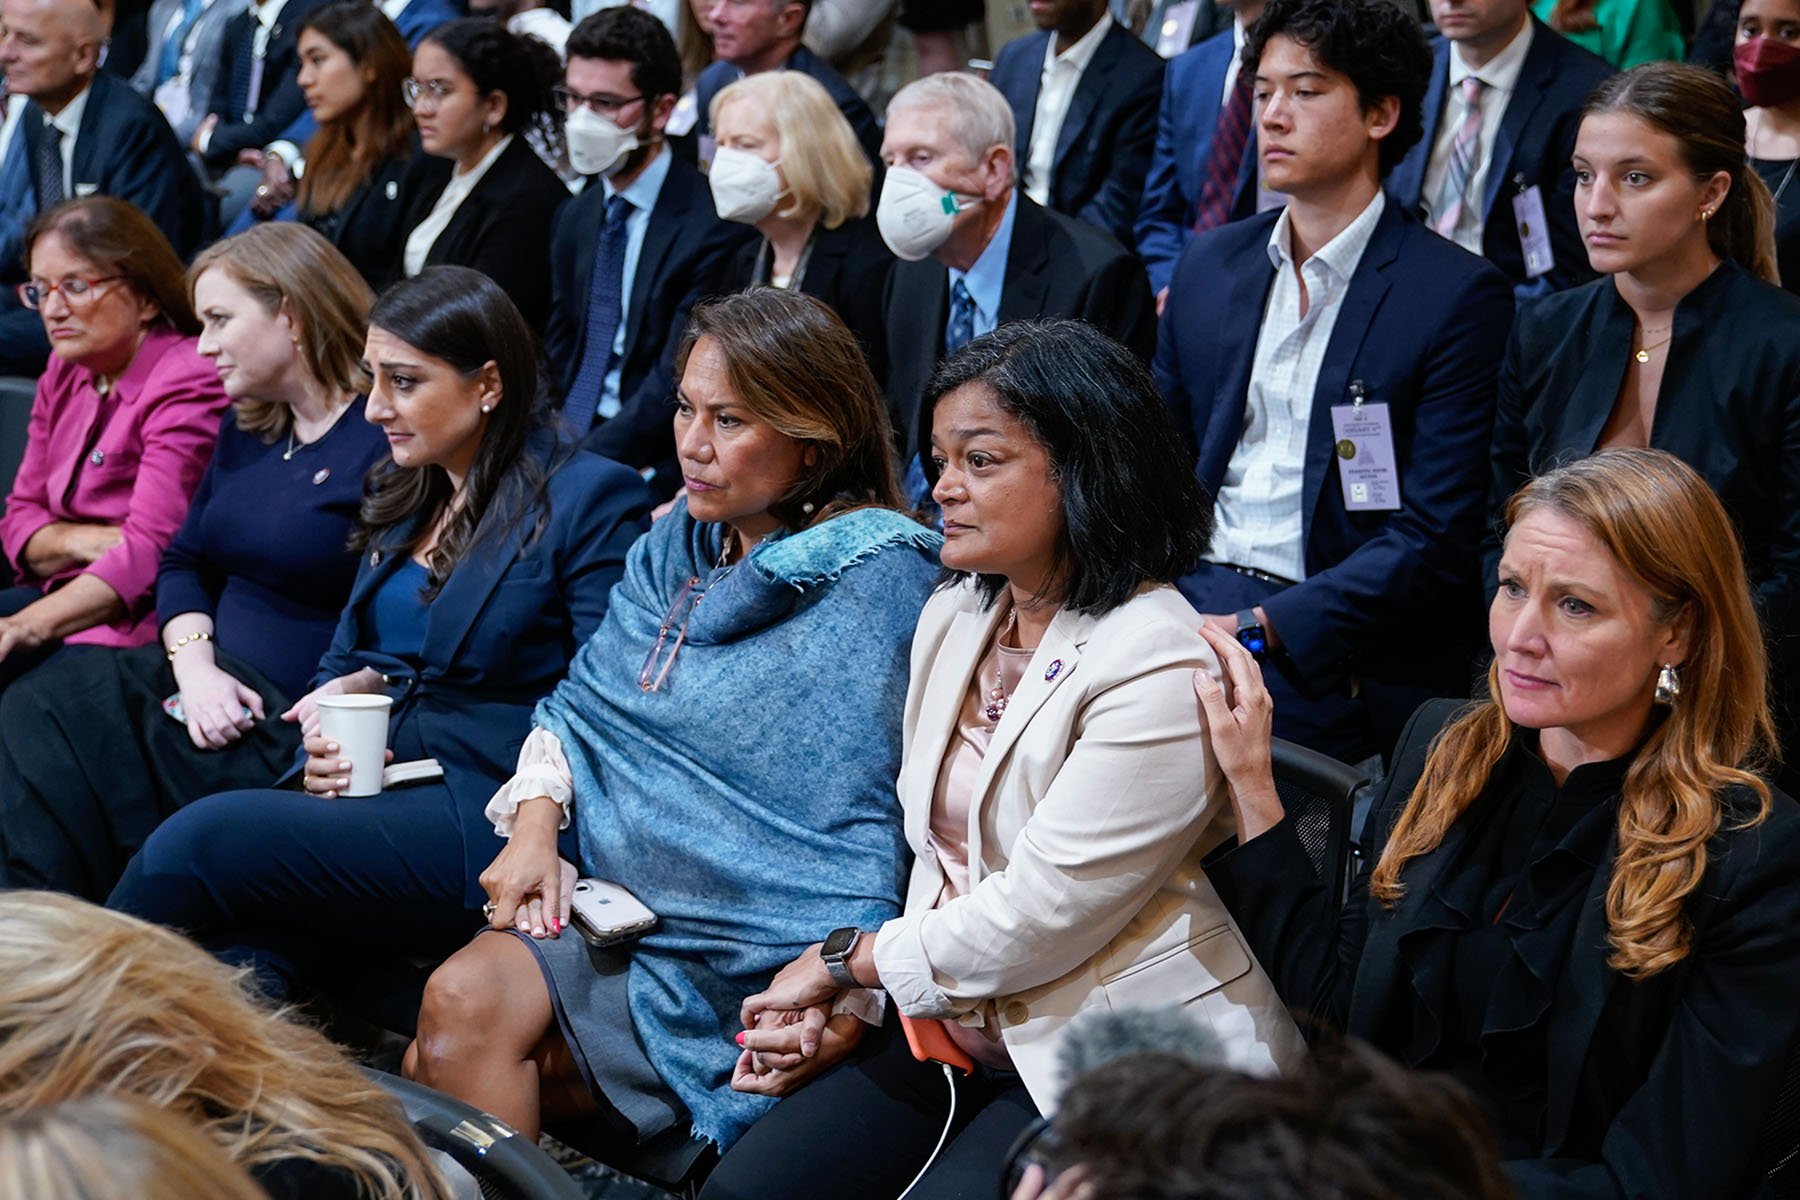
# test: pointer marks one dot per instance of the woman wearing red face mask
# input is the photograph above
(1767, 58)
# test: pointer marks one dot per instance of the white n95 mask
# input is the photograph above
(596, 145)
(745, 188)
(915, 215)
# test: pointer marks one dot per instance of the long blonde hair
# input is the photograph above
(1670, 533)
(285, 263)
(96, 1002)
(825, 168)
(106, 1147)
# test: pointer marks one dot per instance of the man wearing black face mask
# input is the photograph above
(1767, 62)
(632, 253)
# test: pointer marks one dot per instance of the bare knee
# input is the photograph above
(487, 1000)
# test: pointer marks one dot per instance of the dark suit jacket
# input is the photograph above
(685, 253)
(371, 226)
(501, 229)
(1729, 407)
(849, 101)
(1103, 149)
(1422, 328)
(847, 268)
(420, 17)
(1187, 116)
(1056, 267)
(1654, 1089)
(126, 149)
(1532, 148)
(501, 632)
(281, 100)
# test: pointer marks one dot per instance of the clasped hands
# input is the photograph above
(790, 1033)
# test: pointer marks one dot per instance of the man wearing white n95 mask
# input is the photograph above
(977, 251)
(635, 250)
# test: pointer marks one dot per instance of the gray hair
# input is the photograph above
(975, 112)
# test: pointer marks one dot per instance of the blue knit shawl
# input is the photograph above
(750, 800)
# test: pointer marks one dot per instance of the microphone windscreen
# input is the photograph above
(1100, 1036)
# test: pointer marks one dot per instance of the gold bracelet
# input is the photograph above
(185, 640)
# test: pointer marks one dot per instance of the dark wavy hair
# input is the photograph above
(523, 69)
(464, 319)
(1132, 510)
(1373, 42)
(1350, 1125)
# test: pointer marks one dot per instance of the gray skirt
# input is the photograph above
(587, 992)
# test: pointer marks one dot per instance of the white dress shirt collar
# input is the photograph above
(1082, 52)
(1502, 71)
(1342, 253)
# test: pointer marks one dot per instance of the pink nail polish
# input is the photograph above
(739, 1039)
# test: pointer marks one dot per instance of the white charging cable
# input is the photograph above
(949, 1078)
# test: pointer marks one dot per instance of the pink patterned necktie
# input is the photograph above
(1450, 201)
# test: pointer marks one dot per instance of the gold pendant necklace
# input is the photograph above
(1643, 353)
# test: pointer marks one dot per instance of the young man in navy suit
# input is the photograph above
(1083, 93)
(1334, 365)
(634, 252)
(1196, 94)
(1492, 171)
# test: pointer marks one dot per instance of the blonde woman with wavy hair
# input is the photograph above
(98, 1003)
(1585, 896)
(96, 750)
(114, 1148)
(788, 163)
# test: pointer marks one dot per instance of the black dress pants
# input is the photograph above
(865, 1127)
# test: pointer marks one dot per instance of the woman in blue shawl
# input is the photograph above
(726, 742)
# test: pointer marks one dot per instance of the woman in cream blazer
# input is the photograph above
(1057, 787)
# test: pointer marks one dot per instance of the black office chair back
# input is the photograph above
(505, 1165)
(1317, 792)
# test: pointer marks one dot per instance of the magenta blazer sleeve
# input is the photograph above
(28, 506)
(179, 407)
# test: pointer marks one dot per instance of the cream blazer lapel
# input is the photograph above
(950, 671)
(1057, 656)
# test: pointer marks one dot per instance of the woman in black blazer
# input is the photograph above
(788, 163)
(1584, 901)
(1685, 343)
(488, 556)
(482, 198)
(353, 69)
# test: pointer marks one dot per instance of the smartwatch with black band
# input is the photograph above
(1250, 632)
(836, 952)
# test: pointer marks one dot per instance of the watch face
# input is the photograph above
(838, 943)
(1253, 639)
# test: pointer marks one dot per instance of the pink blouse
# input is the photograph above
(131, 459)
(948, 831)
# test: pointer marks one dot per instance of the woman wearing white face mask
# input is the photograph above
(788, 163)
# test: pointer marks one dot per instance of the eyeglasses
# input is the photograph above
(656, 667)
(76, 292)
(415, 90)
(600, 102)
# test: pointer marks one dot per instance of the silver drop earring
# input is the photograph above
(1668, 686)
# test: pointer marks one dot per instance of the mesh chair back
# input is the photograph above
(1316, 792)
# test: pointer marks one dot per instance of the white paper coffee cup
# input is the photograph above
(359, 725)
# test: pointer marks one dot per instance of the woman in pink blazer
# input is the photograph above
(121, 428)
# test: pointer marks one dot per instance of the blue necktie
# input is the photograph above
(962, 319)
(605, 291)
(170, 65)
(243, 66)
(49, 168)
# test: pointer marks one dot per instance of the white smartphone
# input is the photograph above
(606, 914)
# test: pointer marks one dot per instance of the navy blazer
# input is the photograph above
(1531, 148)
(685, 254)
(125, 148)
(1186, 119)
(420, 17)
(502, 227)
(849, 101)
(501, 632)
(281, 100)
(1056, 267)
(1422, 328)
(1103, 149)
(1654, 1088)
